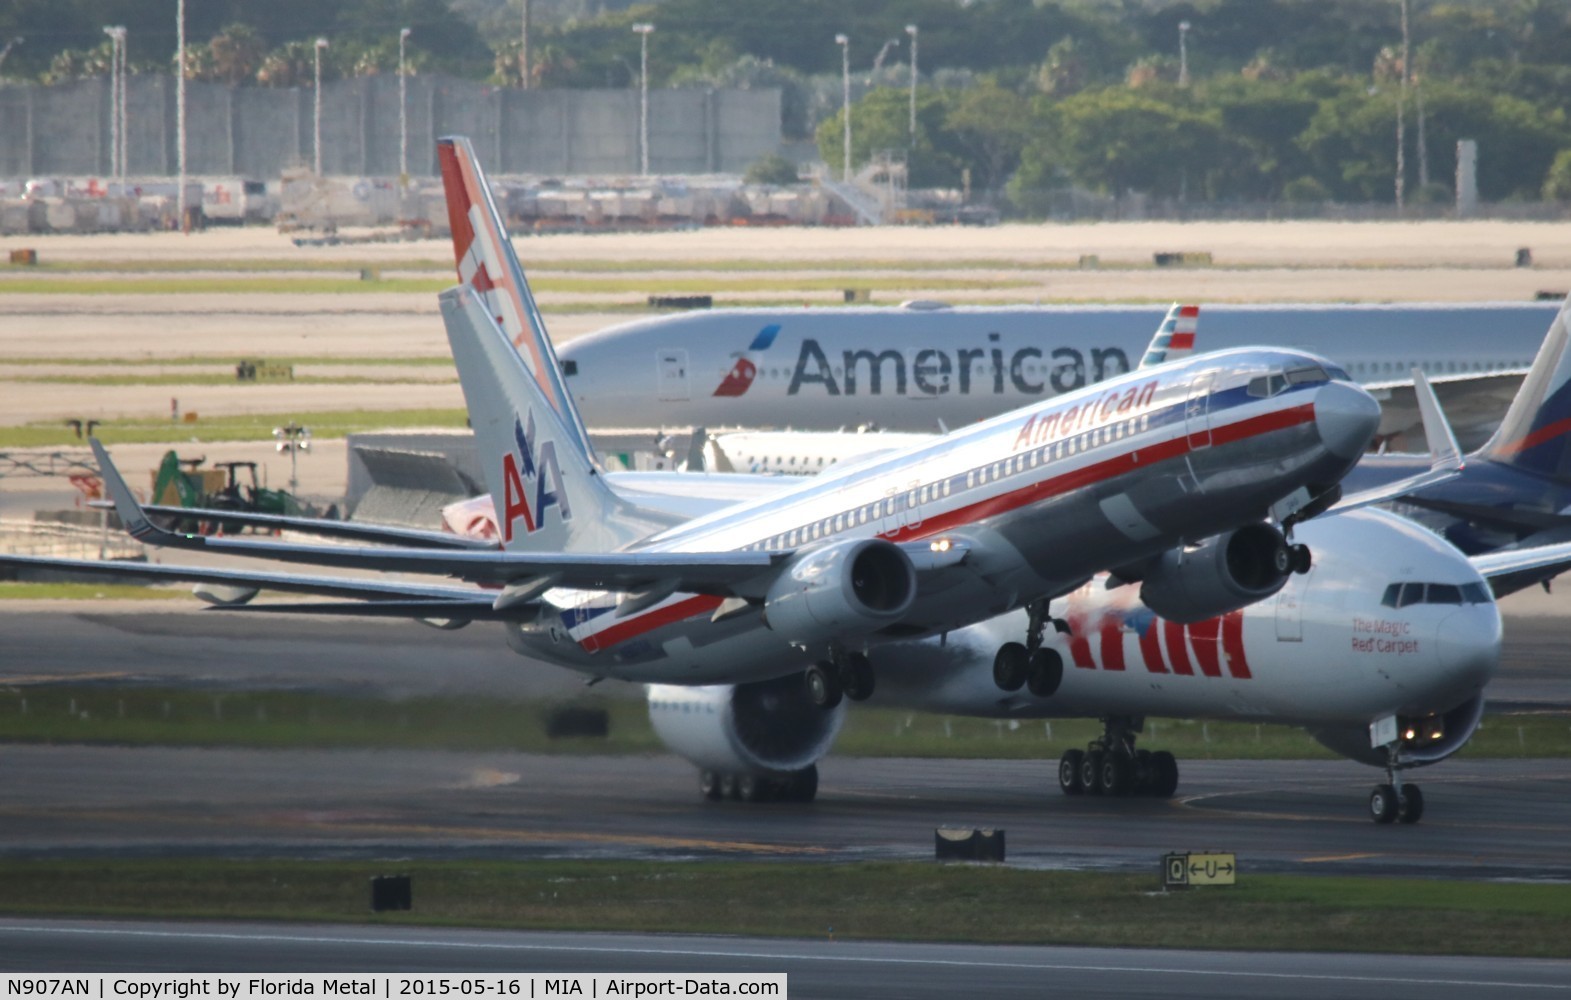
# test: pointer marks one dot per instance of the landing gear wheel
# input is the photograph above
(751, 788)
(728, 786)
(1010, 665)
(803, 785)
(1282, 559)
(1301, 558)
(1044, 672)
(1069, 772)
(823, 685)
(1091, 772)
(1410, 804)
(1113, 775)
(1383, 804)
(1165, 780)
(709, 785)
(856, 677)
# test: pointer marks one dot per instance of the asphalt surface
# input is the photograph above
(815, 968)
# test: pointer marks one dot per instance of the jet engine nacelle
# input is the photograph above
(1221, 574)
(1425, 739)
(849, 587)
(763, 728)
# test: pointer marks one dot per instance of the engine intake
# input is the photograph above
(849, 587)
(768, 727)
(1221, 574)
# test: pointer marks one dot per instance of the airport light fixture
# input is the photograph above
(911, 30)
(1183, 53)
(294, 439)
(403, 113)
(845, 88)
(316, 139)
(643, 31)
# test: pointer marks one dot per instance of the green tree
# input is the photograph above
(881, 121)
(1557, 183)
(991, 125)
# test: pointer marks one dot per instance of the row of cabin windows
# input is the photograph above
(889, 506)
(1401, 595)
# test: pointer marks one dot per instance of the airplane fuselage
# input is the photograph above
(1037, 500)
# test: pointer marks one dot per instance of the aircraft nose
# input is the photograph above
(1467, 645)
(1347, 418)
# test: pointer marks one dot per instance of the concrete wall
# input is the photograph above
(257, 132)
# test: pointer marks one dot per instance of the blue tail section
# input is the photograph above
(1535, 435)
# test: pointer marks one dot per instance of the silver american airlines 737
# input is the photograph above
(1181, 477)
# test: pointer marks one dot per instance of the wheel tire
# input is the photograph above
(1069, 772)
(804, 784)
(1410, 805)
(752, 788)
(1383, 804)
(823, 687)
(709, 785)
(1009, 666)
(1114, 775)
(1165, 767)
(729, 786)
(1091, 772)
(1302, 560)
(1282, 560)
(1044, 672)
(856, 678)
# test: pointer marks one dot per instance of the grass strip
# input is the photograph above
(229, 361)
(214, 378)
(13, 591)
(862, 900)
(324, 424)
(542, 284)
(168, 716)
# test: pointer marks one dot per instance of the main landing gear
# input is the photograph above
(1112, 765)
(847, 675)
(1038, 669)
(798, 786)
(1396, 801)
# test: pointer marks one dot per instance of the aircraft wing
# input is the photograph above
(721, 573)
(369, 589)
(1513, 569)
(351, 530)
(1474, 403)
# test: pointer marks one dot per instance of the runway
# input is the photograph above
(816, 968)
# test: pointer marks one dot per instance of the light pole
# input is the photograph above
(845, 88)
(294, 439)
(117, 135)
(13, 43)
(316, 139)
(1183, 53)
(403, 113)
(911, 30)
(643, 31)
(180, 205)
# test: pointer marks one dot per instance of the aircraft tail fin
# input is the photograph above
(1535, 435)
(1175, 338)
(487, 264)
(547, 493)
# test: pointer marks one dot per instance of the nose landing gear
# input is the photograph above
(1112, 766)
(1396, 801)
(1031, 665)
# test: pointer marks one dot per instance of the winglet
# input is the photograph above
(131, 514)
(1444, 451)
(1175, 338)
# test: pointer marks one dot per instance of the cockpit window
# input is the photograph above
(569, 367)
(1266, 386)
(1307, 375)
(1338, 374)
(1400, 595)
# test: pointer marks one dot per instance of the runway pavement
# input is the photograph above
(873, 971)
